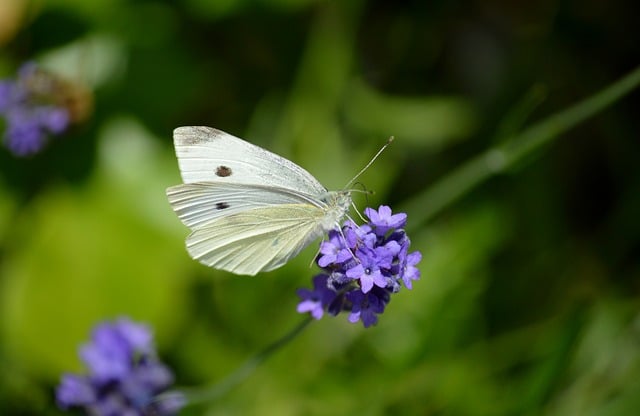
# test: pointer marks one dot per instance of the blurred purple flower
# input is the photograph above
(362, 266)
(31, 114)
(125, 377)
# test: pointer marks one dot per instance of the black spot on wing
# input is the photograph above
(221, 205)
(223, 171)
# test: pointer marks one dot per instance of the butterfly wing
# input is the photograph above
(198, 204)
(255, 240)
(250, 210)
(209, 155)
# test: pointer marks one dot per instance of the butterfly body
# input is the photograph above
(249, 210)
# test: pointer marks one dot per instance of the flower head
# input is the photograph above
(362, 266)
(32, 109)
(125, 376)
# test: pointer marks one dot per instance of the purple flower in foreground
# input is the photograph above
(333, 251)
(362, 266)
(408, 269)
(31, 112)
(368, 269)
(382, 219)
(367, 306)
(125, 376)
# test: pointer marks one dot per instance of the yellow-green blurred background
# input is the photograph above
(529, 297)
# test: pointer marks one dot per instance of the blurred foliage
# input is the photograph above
(529, 298)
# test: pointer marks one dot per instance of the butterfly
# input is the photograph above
(249, 210)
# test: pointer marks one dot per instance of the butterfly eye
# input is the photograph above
(223, 171)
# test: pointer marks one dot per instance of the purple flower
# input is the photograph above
(108, 355)
(125, 376)
(362, 267)
(382, 220)
(30, 111)
(53, 119)
(368, 270)
(357, 236)
(334, 250)
(316, 300)
(367, 306)
(77, 390)
(408, 269)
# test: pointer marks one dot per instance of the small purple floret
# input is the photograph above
(408, 269)
(366, 307)
(368, 270)
(315, 301)
(382, 219)
(333, 250)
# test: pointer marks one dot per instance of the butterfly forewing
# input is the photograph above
(209, 155)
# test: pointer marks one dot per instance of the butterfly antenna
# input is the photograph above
(370, 162)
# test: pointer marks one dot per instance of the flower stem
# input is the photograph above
(424, 206)
(211, 393)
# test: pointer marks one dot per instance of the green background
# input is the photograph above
(529, 297)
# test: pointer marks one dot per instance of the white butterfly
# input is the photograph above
(249, 210)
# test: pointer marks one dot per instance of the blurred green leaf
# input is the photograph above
(93, 60)
(84, 255)
(422, 121)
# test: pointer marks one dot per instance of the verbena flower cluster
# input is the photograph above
(125, 376)
(362, 266)
(30, 112)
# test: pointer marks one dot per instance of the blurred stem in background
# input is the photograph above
(424, 206)
(207, 394)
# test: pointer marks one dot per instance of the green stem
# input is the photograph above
(424, 206)
(211, 393)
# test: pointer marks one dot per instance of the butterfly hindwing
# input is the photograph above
(260, 239)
